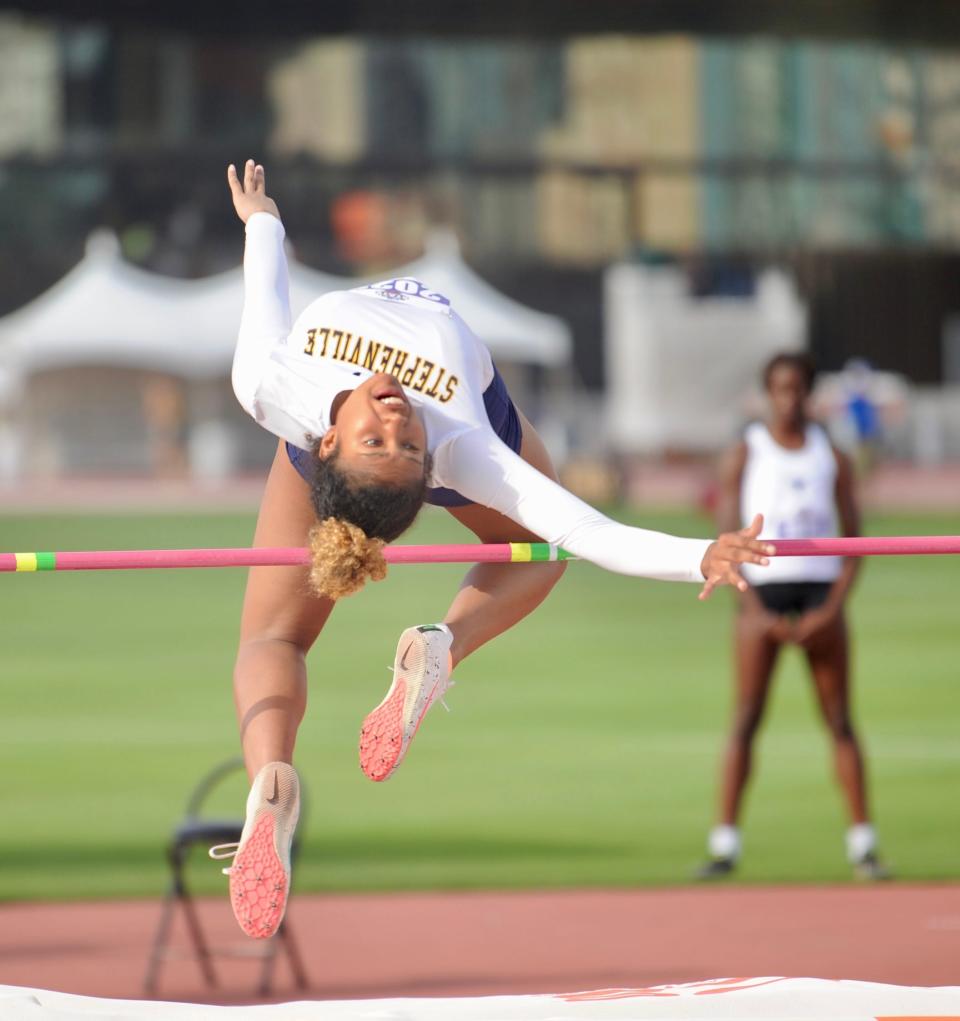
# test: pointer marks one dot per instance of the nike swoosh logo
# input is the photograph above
(276, 790)
(403, 658)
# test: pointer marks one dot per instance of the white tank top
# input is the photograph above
(794, 490)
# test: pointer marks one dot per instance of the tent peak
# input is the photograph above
(442, 241)
(102, 244)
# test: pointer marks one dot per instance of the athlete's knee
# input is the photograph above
(261, 655)
(746, 722)
(839, 724)
(546, 575)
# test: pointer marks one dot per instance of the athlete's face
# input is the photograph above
(378, 433)
(788, 393)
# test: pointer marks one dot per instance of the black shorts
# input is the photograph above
(793, 597)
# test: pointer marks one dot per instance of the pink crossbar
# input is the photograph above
(467, 553)
(105, 560)
(868, 546)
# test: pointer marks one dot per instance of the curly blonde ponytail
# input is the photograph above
(343, 557)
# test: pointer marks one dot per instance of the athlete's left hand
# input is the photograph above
(809, 626)
(721, 563)
(250, 195)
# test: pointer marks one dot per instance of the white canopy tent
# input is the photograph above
(108, 312)
(510, 330)
(93, 352)
(679, 367)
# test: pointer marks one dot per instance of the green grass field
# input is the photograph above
(581, 748)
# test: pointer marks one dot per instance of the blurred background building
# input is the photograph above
(687, 190)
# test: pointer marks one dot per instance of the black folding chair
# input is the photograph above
(197, 829)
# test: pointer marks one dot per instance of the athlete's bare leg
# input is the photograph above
(494, 597)
(828, 657)
(281, 620)
(756, 651)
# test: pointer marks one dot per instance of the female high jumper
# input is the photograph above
(383, 399)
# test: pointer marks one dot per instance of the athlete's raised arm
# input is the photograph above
(266, 319)
(481, 467)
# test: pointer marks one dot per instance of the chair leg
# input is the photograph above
(160, 942)
(266, 972)
(293, 956)
(193, 924)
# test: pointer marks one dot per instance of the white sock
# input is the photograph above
(861, 841)
(724, 842)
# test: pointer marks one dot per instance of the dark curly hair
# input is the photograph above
(355, 519)
(798, 360)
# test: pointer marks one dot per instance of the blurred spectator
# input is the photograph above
(862, 412)
(861, 405)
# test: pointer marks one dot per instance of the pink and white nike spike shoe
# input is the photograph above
(421, 675)
(260, 873)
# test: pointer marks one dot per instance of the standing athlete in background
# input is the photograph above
(787, 470)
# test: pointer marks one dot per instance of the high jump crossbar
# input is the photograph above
(469, 553)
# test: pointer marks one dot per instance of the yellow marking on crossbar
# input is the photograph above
(26, 561)
(520, 552)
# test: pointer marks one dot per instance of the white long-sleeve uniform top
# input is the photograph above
(287, 375)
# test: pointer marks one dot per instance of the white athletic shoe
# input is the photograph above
(260, 873)
(421, 675)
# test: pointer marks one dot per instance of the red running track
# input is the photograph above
(463, 944)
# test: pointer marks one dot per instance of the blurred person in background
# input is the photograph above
(862, 413)
(383, 399)
(786, 469)
(862, 408)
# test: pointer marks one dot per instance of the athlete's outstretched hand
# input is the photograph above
(720, 565)
(250, 195)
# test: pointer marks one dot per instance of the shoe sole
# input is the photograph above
(713, 877)
(259, 881)
(880, 876)
(383, 743)
(381, 735)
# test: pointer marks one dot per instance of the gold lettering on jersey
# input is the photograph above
(416, 372)
(371, 354)
(407, 378)
(433, 390)
(421, 380)
(385, 360)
